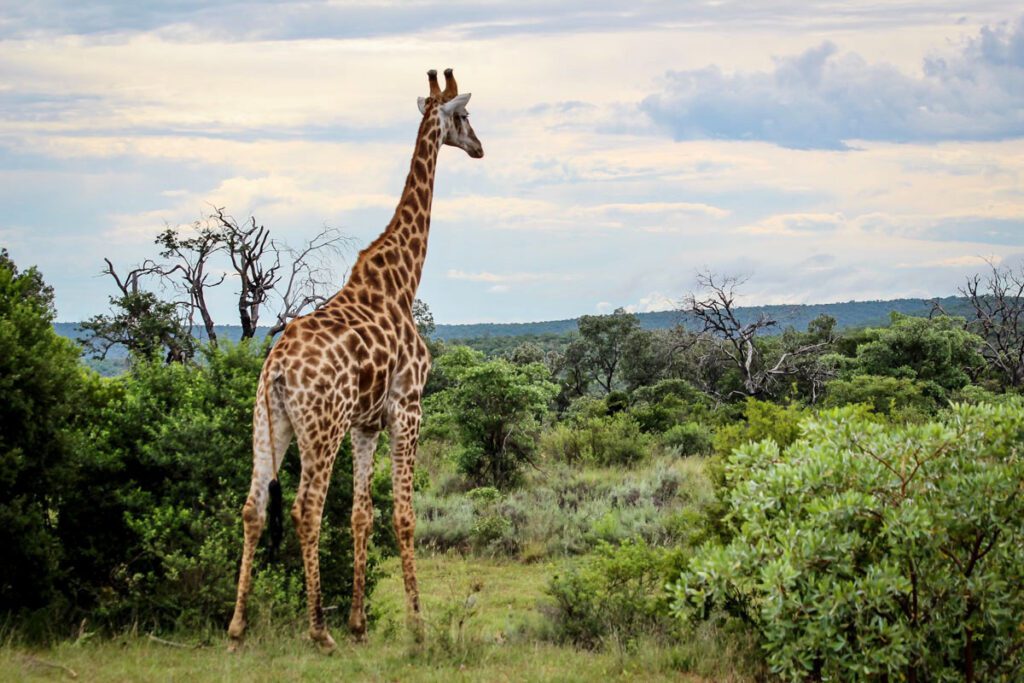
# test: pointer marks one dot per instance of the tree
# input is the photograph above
(191, 257)
(938, 352)
(255, 263)
(40, 383)
(603, 340)
(572, 368)
(495, 408)
(140, 321)
(645, 357)
(737, 340)
(997, 301)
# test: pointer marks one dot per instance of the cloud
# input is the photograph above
(484, 276)
(822, 99)
(654, 301)
(265, 19)
(794, 224)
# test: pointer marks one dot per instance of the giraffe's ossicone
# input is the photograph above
(355, 366)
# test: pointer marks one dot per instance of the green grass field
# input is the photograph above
(500, 639)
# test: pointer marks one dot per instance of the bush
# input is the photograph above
(44, 398)
(866, 552)
(896, 396)
(938, 352)
(493, 408)
(618, 593)
(687, 439)
(762, 420)
(612, 440)
(148, 518)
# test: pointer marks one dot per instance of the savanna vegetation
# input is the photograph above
(722, 500)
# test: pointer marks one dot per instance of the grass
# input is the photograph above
(498, 641)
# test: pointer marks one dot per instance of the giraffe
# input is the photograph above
(355, 365)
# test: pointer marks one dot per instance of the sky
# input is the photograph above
(825, 151)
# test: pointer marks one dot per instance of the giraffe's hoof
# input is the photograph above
(358, 636)
(324, 642)
(417, 629)
(235, 631)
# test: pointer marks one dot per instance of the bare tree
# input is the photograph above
(191, 259)
(256, 263)
(997, 300)
(715, 312)
(311, 279)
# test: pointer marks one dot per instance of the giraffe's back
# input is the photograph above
(340, 364)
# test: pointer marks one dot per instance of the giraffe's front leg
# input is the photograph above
(364, 444)
(405, 429)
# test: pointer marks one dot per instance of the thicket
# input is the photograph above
(866, 550)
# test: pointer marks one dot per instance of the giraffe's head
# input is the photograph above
(452, 114)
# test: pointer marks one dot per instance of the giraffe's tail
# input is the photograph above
(276, 517)
(274, 489)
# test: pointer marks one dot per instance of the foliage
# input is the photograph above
(136, 502)
(761, 420)
(40, 385)
(886, 395)
(567, 511)
(938, 352)
(604, 440)
(143, 324)
(614, 593)
(494, 409)
(865, 551)
(603, 339)
(661, 406)
(689, 438)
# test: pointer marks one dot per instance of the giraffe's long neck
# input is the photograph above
(389, 269)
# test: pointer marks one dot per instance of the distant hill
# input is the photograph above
(849, 314)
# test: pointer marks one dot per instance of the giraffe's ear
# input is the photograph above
(422, 103)
(457, 103)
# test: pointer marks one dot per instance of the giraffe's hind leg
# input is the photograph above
(307, 513)
(272, 432)
(364, 443)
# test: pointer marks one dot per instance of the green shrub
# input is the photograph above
(689, 438)
(44, 399)
(149, 522)
(493, 409)
(669, 402)
(896, 396)
(563, 443)
(762, 420)
(444, 522)
(609, 440)
(937, 352)
(617, 593)
(867, 552)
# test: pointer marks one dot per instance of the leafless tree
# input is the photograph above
(256, 263)
(191, 256)
(714, 308)
(311, 279)
(997, 303)
(131, 282)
